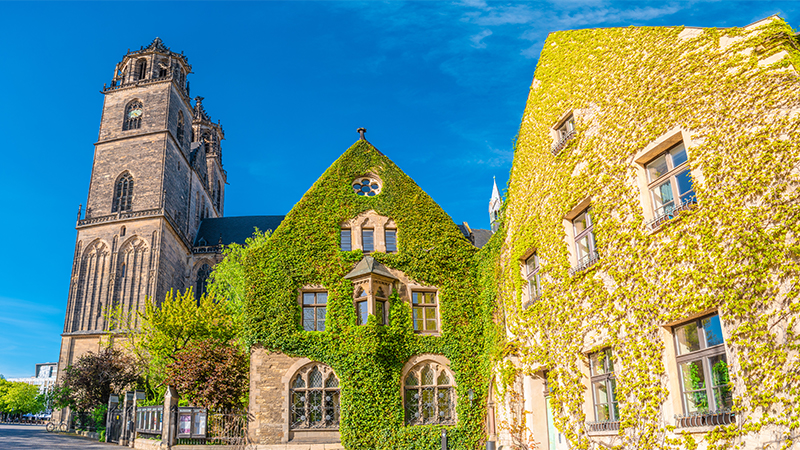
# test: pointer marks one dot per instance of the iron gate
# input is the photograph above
(115, 422)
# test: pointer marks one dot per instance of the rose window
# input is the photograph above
(367, 186)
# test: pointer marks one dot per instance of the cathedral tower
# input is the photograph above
(157, 173)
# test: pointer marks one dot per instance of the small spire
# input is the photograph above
(361, 131)
(495, 203)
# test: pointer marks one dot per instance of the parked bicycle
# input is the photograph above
(53, 426)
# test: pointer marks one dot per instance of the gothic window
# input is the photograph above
(133, 116)
(180, 128)
(123, 193)
(202, 280)
(141, 70)
(162, 70)
(122, 231)
(219, 195)
(314, 398)
(429, 393)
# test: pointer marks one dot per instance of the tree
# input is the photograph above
(210, 373)
(94, 377)
(227, 281)
(22, 398)
(167, 329)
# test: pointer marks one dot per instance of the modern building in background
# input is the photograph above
(44, 377)
(650, 258)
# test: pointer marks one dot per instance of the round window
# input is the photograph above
(366, 186)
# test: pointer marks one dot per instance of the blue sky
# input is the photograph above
(440, 87)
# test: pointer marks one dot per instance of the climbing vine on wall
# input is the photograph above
(368, 359)
(735, 93)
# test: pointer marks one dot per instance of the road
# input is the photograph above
(35, 437)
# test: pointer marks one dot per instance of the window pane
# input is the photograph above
(583, 247)
(391, 241)
(430, 298)
(320, 318)
(298, 408)
(445, 406)
(694, 385)
(614, 404)
(308, 319)
(367, 240)
(685, 187)
(656, 168)
(678, 154)
(600, 392)
(412, 405)
(687, 338)
(332, 407)
(361, 312)
(601, 362)
(308, 298)
(315, 407)
(430, 319)
(415, 298)
(418, 319)
(723, 397)
(322, 297)
(379, 312)
(532, 263)
(713, 331)
(582, 222)
(662, 198)
(346, 245)
(428, 405)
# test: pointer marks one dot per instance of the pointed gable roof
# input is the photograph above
(368, 266)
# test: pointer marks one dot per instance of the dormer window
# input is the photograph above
(564, 131)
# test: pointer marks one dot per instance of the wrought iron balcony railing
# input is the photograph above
(558, 146)
(705, 419)
(666, 214)
(605, 425)
(585, 262)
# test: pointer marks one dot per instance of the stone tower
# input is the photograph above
(157, 173)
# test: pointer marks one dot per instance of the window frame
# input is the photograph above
(129, 123)
(390, 232)
(425, 306)
(563, 131)
(123, 193)
(434, 363)
(315, 306)
(669, 176)
(607, 379)
(705, 353)
(531, 275)
(588, 260)
(304, 374)
(349, 239)
(371, 232)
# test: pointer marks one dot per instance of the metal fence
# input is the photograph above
(150, 420)
(200, 426)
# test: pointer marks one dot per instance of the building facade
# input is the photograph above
(153, 218)
(44, 377)
(649, 265)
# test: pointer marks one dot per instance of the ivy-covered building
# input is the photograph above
(365, 318)
(650, 257)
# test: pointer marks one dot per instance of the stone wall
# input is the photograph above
(268, 397)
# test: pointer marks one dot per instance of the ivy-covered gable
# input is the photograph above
(305, 251)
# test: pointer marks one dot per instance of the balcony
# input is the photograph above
(585, 262)
(603, 427)
(144, 82)
(666, 214)
(561, 143)
(705, 419)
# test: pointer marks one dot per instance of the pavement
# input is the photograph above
(35, 437)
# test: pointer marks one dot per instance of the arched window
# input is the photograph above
(429, 394)
(141, 70)
(180, 128)
(133, 116)
(314, 398)
(122, 231)
(123, 193)
(202, 280)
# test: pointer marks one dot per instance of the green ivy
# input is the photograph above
(369, 359)
(736, 252)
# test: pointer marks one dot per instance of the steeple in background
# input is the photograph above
(494, 206)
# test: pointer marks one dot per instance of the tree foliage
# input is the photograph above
(19, 398)
(167, 329)
(210, 373)
(94, 376)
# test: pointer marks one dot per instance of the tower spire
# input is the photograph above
(494, 206)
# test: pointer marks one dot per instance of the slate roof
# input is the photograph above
(477, 237)
(233, 229)
(369, 265)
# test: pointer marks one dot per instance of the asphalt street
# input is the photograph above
(35, 437)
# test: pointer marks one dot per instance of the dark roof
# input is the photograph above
(481, 237)
(233, 229)
(369, 265)
(477, 237)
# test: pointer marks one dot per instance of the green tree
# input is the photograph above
(228, 278)
(22, 398)
(4, 385)
(167, 329)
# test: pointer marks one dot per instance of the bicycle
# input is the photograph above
(52, 426)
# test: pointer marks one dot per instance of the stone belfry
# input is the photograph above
(157, 172)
